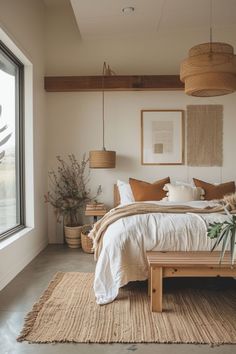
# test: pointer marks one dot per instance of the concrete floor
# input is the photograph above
(17, 299)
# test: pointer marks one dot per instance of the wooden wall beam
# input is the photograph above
(113, 83)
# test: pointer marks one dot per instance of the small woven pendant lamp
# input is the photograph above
(210, 69)
(103, 158)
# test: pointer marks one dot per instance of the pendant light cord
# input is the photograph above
(103, 102)
(106, 71)
(210, 26)
(161, 15)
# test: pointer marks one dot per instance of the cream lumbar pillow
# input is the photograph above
(182, 193)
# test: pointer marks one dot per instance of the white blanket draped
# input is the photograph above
(125, 242)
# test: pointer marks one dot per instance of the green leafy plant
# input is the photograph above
(225, 234)
(69, 189)
(4, 139)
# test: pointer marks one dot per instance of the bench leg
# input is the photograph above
(156, 289)
(149, 281)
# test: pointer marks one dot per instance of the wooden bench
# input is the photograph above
(183, 264)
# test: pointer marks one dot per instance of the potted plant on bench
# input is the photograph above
(69, 195)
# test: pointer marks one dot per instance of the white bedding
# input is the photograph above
(126, 241)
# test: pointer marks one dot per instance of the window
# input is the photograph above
(11, 143)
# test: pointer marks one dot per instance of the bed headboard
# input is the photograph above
(116, 195)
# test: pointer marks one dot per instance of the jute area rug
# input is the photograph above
(67, 312)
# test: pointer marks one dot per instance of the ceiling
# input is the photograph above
(105, 19)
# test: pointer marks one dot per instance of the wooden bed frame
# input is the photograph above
(116, 195)
(180, 264)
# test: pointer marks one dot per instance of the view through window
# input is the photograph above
(11, 143)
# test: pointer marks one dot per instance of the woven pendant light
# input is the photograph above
(210, 69)
(103, 158)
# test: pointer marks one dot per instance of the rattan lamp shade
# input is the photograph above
(102, 159)
(210, 70)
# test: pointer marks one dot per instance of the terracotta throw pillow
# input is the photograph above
(213, 191)
(144, 191)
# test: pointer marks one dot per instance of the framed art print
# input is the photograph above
(162, 137)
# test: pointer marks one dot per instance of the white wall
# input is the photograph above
(75, 126)
(24, 22)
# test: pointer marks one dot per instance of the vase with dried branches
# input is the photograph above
(69, 193)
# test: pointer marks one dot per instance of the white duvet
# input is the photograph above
(126, 241)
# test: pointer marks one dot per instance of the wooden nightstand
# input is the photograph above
(95, 210)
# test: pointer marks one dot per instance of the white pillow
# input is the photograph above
(182, 193)
(125, 191)
(191, 184)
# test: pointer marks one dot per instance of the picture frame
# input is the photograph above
(162, 137)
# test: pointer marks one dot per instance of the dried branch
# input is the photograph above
(69, 188)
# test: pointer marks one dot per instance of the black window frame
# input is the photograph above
(19, 136)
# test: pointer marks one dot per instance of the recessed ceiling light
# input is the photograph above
(128, 10)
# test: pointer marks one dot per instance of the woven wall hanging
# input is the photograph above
(205, 135)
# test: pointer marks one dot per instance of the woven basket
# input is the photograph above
(73, 236)
(86, 242)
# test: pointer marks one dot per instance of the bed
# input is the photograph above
(121, 255)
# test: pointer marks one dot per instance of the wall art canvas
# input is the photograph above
(162, 137)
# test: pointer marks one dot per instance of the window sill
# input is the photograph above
(11, 239)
